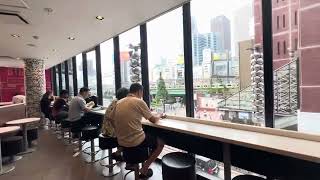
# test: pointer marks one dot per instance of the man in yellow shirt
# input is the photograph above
(128, 127)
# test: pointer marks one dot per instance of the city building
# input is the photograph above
(220, 25)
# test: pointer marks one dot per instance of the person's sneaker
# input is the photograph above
(146, 176)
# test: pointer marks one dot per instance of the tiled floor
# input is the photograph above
(54, 161)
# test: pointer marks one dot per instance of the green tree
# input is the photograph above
(162, 92)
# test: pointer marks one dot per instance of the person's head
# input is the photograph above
(47, 95)
(64, 94)
(84, 92)
(136, 89)
(122, 93)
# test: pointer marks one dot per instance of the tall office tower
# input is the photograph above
(221, 26)
(213, 42)
(198, 45)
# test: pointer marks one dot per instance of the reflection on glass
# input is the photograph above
(79, 71)
(130, 57)
(107, 70)
(166, 63)
(92, 73)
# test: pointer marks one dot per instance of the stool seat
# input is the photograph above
(32, 134)
(247, 177)
(66, 124)
(89, 133)
(135, 155)
(106, 142)
(11, 146)
(178, 165)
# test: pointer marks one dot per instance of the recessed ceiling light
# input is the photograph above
(100, 18)
(15, 35)
(31, 45)
(71, 38)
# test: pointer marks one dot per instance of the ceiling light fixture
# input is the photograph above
(71, 38)
(100, 18)
(15, 35)
(31, 45)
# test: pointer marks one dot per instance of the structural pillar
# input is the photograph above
(34, 85)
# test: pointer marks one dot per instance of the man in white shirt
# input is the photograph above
(78, 107)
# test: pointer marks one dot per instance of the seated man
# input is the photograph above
(128, 127)
(60, 105)
(78, 107)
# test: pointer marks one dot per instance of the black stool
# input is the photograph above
(66, 126)
(247, 177)
(109, 143)
(11, 146)
(89, 133)
(178, 165)
(135, 156)
(32, 135)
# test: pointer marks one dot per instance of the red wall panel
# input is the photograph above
(12, 82)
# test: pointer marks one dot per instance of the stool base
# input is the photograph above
(111, 172)
(28, 151)
(6, 169)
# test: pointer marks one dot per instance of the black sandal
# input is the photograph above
(146, 176)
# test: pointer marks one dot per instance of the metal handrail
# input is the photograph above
(283, 89)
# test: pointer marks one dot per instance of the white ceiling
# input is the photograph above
(70, 18)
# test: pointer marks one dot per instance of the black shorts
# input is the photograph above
(149, 142)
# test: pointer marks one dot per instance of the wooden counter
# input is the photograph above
(293, 147)
(266, 151)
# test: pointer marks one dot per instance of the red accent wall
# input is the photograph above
(48, 80)
(12, 82)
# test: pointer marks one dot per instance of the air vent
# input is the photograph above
(14, 4)
(7, 17)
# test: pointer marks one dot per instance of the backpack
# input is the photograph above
(108, 126)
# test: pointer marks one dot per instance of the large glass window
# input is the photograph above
(130, 57)
(70, 74)
(79, 71)
(228, 81)
(228, 76)
(92, 73)
(63, 73)
(166, 63)
(107, 70)
(296, 65)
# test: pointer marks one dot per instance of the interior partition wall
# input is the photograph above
(85, 69)
(54, 81)
(60, 78)
(74, 73)
(188, 59)
(99, 75)
(66, 71)
(144, 63)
